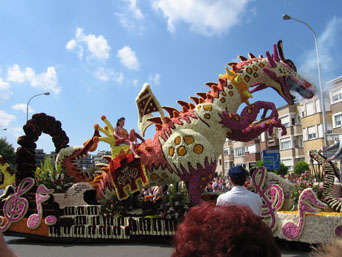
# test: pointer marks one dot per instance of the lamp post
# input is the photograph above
(27, 106)
(288, 17)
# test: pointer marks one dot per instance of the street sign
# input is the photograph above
(271, 159)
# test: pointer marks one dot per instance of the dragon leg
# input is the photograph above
(242, 127)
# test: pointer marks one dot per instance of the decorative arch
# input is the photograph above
(25, 155)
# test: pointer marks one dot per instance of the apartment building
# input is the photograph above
(291, 145)
(335, 95)
(312, 123)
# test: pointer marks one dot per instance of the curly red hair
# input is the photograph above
(217, 231)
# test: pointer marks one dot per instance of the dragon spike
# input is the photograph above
(270, 60)
(201, 100)
(158, 126)
(229, 71)
(166, 119)
(251, 56)
(202, 95)
(211, 84)
(184, 105)
(170, 110)
(275, 53)
(242, 58)
(281, 49)
(195, 99)
(156, 120)
(231, 64)
(191, 106)
(209, 97)
(175, 114)
(261, 56)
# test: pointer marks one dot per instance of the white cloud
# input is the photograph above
(46, 81)
(22, 107)
(106, 74)
(128, 58)
(154, 79)
(97, 46)
(131, 16)
(328, 42)
(135, 82)
(4, 91)
(5, 119)
(207, 17)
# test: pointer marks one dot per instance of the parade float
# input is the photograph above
(66, 203)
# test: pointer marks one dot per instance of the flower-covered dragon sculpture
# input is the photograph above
(187, 143)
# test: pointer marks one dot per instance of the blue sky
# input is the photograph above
(94, 56)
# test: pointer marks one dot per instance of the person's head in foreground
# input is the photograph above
(237, 175)
(217, 231)
(329, 249)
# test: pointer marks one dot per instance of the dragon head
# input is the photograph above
(284, 77)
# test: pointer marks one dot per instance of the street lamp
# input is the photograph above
(288, 17)
(27, 106)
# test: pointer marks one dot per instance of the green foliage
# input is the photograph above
(175, 203)
(53, 178)
(7, 152)
(300, 167)
(302, 182)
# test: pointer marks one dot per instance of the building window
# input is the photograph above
(284, 145)
(337, 119)
(312, 132)
(285, 120)
(336, 96)
(225, 151)
(239, 152)
(302, 109)
(309, 109)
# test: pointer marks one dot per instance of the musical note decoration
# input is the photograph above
(272, 196)
(34, 220)
(308, 202)
(15, 207)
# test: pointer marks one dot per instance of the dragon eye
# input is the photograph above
(291, 64)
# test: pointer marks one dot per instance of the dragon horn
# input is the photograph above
(251, 56)
(275, 53)
(242, 58)
(261, 56)
(270, 60)
(281, 50)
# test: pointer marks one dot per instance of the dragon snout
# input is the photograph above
(303, 88)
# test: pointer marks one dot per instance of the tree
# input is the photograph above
(300, 167)
(7, 152)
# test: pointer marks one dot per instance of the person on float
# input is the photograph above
(122, 136)
(239, 194)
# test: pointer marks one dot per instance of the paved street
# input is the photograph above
(31, 248)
